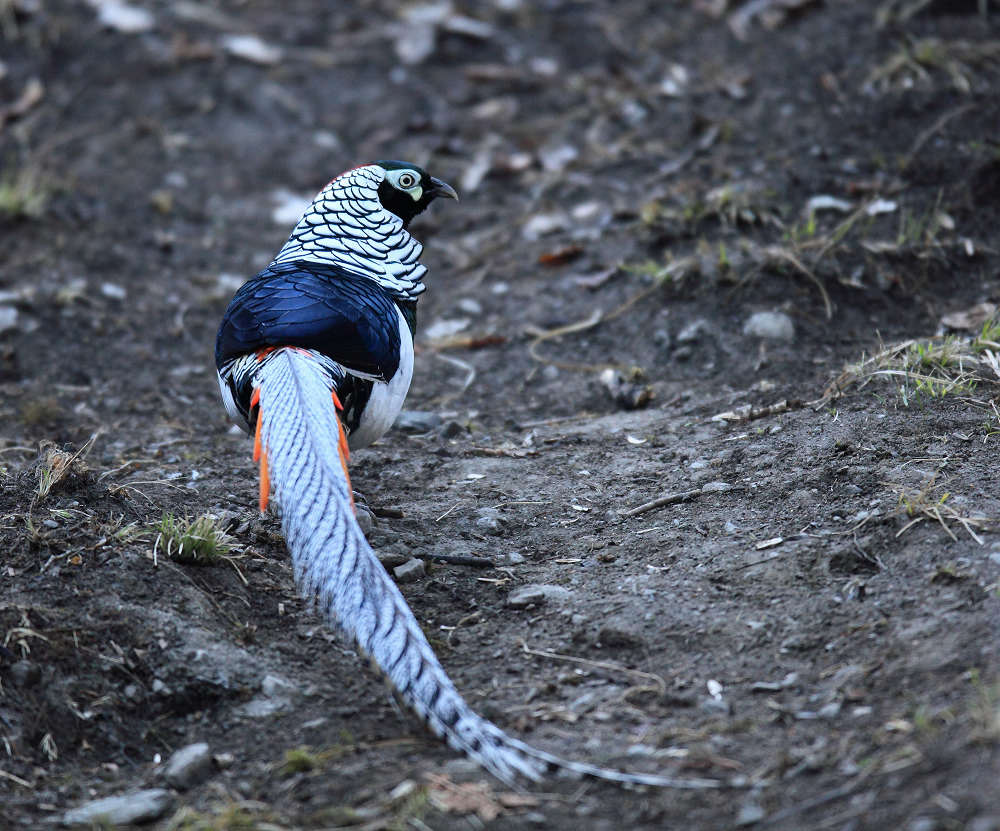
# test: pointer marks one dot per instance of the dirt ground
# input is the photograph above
(811, 619)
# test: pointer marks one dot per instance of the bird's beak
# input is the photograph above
(439, 188)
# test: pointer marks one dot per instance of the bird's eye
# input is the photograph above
(406, 180)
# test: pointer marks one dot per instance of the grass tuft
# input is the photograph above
(199, 541)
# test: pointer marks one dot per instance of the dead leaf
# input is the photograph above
(971, 319)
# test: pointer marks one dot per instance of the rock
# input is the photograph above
(536, 594)
(470, 306)
(25, 673)
(365, 518)
(619, 634)
(513, 558)
(122, 17)
(693, 331)
(275, 696)
(750, 814)
(113, 291)
(393, 555)
(716, 487)
(8, 318)
(626, 393)
(128, 809)
(252, 49)
(417, 421)
(410, 571)
(488, 521)
(770, 325)
(452, 430)
(189, 766)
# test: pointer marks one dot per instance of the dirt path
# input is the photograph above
(678, 226)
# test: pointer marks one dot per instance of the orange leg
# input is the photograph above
(260, 455)
(345, 452)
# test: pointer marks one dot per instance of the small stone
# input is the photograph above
(452, 430)
(470, 306)
(393, 555)
(829, 711)
(8, 318)
(365, 519)
(536, 594)
(128, 809)
(410, 571)
(252, 49)
(189, 766)
(488, 520)
(715, 706)
(25, 673)
(693, 331)
(618, 634)
(417, 421)
(122, 17)
(513, 558)
(113, 291)
(750, 814)
(716, 487)
(770, 325)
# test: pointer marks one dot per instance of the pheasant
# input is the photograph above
(315, 357)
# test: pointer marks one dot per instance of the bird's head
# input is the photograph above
(408, 189)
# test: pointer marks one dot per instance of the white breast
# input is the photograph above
(387, 398)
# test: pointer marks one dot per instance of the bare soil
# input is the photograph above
(808, 627)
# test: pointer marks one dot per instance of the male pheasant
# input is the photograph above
(315, 357)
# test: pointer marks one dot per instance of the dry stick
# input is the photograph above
(669, 499)
(927, 134)
(606, 665)
(458, 559)
(782, 254)
(583, 325)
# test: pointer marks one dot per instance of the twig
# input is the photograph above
(469, 378)
(779, 253)
(595, 318)
(668, 499)
(458, 560)
(605, 665)
(13, 778)
(927, 134)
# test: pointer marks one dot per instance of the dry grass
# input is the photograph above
(930, 368)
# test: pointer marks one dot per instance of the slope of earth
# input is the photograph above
(680, 221)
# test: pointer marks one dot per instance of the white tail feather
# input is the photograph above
(336, 568)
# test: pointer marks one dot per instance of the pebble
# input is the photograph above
(488, 520)
(621, 635)
(122, 17)
(8, 318)
(750, 814)
(189, 766)
(716, 487)
(770, 325)
(536, 594)
(470, 306)
(718, 706)
(394, 555)
(365, 518)
(128, 809)
(25, 673)
(693, 331)
(417, 421)
(410, 571)
(513, 558)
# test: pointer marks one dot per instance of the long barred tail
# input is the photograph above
(302, 441)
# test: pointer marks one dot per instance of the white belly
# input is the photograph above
(387, 398)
